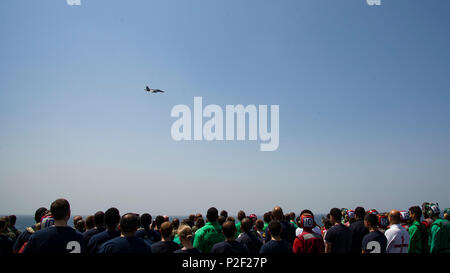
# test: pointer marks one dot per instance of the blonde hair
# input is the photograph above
(185, 232)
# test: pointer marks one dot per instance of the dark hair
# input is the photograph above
(241, 215)
(259, 224)
(229, 229)
(212, 214)
(129, 222)
(326, 222)
(81, 226)
(267, 216)
(416, 211)
(90, 222)
(112, 218)
(372, 219)
(60, 209)
(246, 224)
(159, 220)
(2, 223)
(359, 212)
(99, 219)
(336, 213)
(306, 211)
(146, 220)
(39, 213)
(200, 222)
(230, 218)
(191, 217)
(12, 220)
(221, 219)
(166, 229)
(224, 213)
(274, 228)
(292, 215)
(175, 223)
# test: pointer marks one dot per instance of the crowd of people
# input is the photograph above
(417, 230)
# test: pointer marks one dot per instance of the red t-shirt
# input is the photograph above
(309, 242)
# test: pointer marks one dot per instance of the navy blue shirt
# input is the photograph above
(165, 247)
(274, 246)
(358, 232)
(6, 245)
(250, 240)
(188, 251)
(23, 238)
(149, 235)
(55, 240)
(340, 238)
(287, 232)
(229, 247)
(88, 234)
(121, 244)
(374, 242)
(98, 239)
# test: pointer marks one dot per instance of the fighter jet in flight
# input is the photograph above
(148, 89)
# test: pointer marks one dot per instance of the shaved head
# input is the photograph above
(394, 217)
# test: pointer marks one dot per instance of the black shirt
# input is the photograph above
(229, 247)
(6, 245)
(374, 242)
(55, 240)
(189, 251)
(340, 238)
(164, 247)
(274, 246)
(250, 240)
(148, 234)
(98, 239)
(88, 234)
(130, 244)
(287, 232)
(358, 232)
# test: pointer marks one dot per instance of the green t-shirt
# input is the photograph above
(415, 238)
(440, 236)
(207, 236)
(265, 226)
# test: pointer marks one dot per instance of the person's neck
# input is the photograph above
(230, 239)
(187, 245)
(60, 223)
(276, 238)
(127, 234)
(165, 239)
(372, 229)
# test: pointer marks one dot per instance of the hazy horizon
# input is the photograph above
(363, 95)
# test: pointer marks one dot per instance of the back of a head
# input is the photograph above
(3, 223)
(159, 220)
(129, 223)
(259, 224)
(175, 223)
(360, 212)
(224, 213)
(336, 214)
(39, 213)
(221, 220)
(166, 230)
(185, 233)
(229, 229)
(267, 217)
(81, 226)
(274, 228)
(99, 219)
(306, 211)
(372, 219)
(212, 214)
(240, 215)
(90, 222)
(394, 217)
(200, 222)
(292, 215)
(60, 209)
(277, 213)
(12, 220)
(112, 218)
(146, 220)
(246, 224)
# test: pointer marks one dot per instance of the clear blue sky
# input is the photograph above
(364, 95)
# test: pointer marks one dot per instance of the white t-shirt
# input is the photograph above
(398, 239)
(316, 229)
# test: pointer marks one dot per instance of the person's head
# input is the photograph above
(259, 224)
(99, 219)
(198, 215)
(212, 214)
(415, 213)
(274, 228)
(246, 224)
(90, 222)
(81, 226)
(158, 221)
(231, 219)
(129, 224)
(430, 210)
(359, 213)
(185, 235)
(224, 213)
(292, 215)
(60, 210)
(394, 217)
(267, 217)
(166, 231)
(307, 222)
(112, 218)
(39, 213)
(277, 213)
(327, 222)
(146, 220)
(200, 223)
(240, 215)
(12, 220)
(191, 217)
(76, 218)
(370, 221)
(3, 224)
(175, 223)
(335, 215)
(383, 220)
(404, 217)
(221, 220)
(229, 230)
(166, 218)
